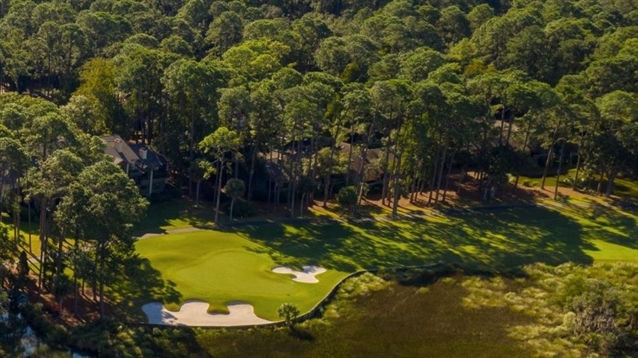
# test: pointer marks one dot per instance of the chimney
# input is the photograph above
(143, 152)
(118, 144)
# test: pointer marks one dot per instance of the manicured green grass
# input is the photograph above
(222, 267)
(219, 267)
(623, 187)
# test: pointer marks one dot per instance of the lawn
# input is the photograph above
(175, 214)
(623, 187)
(219, 267)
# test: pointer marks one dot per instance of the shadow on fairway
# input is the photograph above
(180, 211)
(139, 284)
(611, 224)
(496, 239)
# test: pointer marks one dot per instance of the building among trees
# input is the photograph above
(147, 168)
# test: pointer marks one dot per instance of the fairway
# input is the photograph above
(219, 267)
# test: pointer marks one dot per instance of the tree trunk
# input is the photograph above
(199, 182)
(101, 298)
(549, 155)
(270, 163)
(384, 186)
(438, 184)
(434, 171)
(527, 133)
(101, 278)
(547, 165)
(326, 192)
(232, 205)
(253, 158)
(610, 183)
(500, 136)
(510, 123)
(447, 178)
(30, 229)
(397, 192)
(315, 162)
(580, 144)
(463, 173)
(350, 154)
(364, 154)
(397, 172)
(218, 189)
(75, 296)
(191, 145)
(59, 258)
(43, 240)
(560, 166)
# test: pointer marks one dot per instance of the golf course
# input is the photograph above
(234, 264)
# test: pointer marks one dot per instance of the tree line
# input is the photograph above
(423, 80)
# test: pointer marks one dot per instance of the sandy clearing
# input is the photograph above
(193, 314)
(306, 276)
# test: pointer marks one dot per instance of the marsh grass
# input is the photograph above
(374, 317)
(542, 296)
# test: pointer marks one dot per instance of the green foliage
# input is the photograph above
(289, 313)
(575, 308)
(241, 209)
(347, 198)
(56, 336)
(234, 188)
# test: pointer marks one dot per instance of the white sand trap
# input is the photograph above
(193, 313)
(306, 276)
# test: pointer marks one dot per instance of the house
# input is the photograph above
(372, 168)
(148, 169)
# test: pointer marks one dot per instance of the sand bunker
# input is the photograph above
(193, 313)
(306, 276)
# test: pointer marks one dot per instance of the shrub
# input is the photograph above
(241, 209)
(347, 197)
(527, 183)
(288, 312)
(54, 335)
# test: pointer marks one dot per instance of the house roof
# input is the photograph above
(121, 151)
(371, 154)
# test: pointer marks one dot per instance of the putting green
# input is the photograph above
(219, 267)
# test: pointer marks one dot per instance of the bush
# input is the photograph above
(527, 183)
(288, 312)
(347, 197)
(54, 335)
(242, 209)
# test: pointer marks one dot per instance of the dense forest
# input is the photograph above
(233, 89)
(432, 85)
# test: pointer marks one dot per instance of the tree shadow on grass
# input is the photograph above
(303, 247)
(497, 239)
(610, 224)
(182, 210)
(140, 283)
